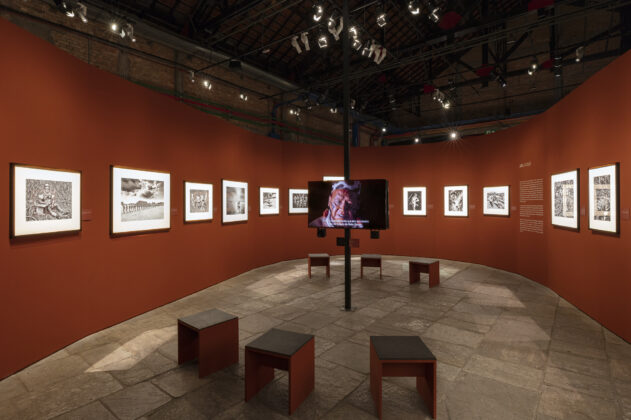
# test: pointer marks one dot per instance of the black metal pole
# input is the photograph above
(347, 147)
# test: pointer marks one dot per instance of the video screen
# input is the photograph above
(358, 204)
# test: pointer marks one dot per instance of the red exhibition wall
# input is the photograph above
(61, 113)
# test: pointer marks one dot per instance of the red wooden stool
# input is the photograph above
(320, 260)
(425, 265)
(403, 356)
(212, 337)
(370, 260)
(286, 350)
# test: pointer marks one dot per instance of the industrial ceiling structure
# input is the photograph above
(415, 65)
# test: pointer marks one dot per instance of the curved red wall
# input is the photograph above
(59, 112)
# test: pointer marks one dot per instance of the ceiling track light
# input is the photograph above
(533, 67)
(318, 12)
(453, 135)
(414, 7)
(323, 40)
(206, 83)
(433, 12)
(382, 19)
(580, 53)
(333, 110)
(243, 96)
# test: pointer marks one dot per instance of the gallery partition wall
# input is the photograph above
(60, 113)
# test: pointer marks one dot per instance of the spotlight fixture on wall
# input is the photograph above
(384, 129)
(434, 12)
(353, 103)
(82, 11)
(295, 112)
(243, 96)
(356, 44)
(580, 53)
(114, 26)
(206, 83)
(441, 98)
(304, 37)
(125, 30)
(323, 40)
(416, 139)
(534, 66)
(495, 74)
(318, 12)
(382, 19)
(453, 135)
(414, 7)
(192, 76)
(335, 30)
(557, 67)
(333, 110)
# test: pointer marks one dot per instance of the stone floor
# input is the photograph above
(507, 348)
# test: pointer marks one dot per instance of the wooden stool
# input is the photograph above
(425, 265)
(403, 356)
(370, 260)
(286, 350)
(212, 337)
(320, 260)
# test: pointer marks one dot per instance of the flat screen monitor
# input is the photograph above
(355, 204)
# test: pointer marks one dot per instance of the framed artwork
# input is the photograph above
(496, 201)
(414, 201)
(298, 201)
(234, 201)
(141, 200)
(268, 200)
(457, 201)
(603, 198)
(564, 194)
(198, 202)
(44, 200)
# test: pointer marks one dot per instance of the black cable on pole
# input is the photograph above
(347, 151)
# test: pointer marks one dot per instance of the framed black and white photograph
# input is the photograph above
(496, 201)
(44, 201)
(564, 199)
(298, 201)
(269, 200)
(603, 198)
(141, 200)
(198, 202)
(457, 201)
(234, 201)
(414, 201)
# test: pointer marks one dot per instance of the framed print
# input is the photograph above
(141, 200)
(268, 200)
(198, 202)
(298, 201)
(414, 201)
(603, 198)
(44, 201)
(234, 201)
(564, 194)
(457, 201)
(496, 201)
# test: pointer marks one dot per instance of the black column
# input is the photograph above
(347, 151)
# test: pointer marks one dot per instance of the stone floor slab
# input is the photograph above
(135, 401)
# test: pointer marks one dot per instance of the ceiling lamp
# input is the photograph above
(206, 83)
(382, 19)
(453, 135)
(580, 53)
(534, 66)
(323, 40)
(192, 75)
(318, 12)
(384, 129)
(356, 44)
(82, 11)
(434, 12)
(333, 110)
(243, 96)
(416, 139)
(414, 7)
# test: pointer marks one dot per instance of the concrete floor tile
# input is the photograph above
(344, 411)
(464, 325)
(135, 401)
(66, 395)
(177, 409)
(92, 411)
(524, 353)
(578, 349)
(12, 387)
(179, 381)
(578, 364)
(450, 353)
(315, 320)
(560, 403)
(453, 335)
(621, 369)
(258, 323)
(598, 387)
(510, 373)
(334, 333)
(354, 321)
(350, 355)
(619, 351)
(474, 396)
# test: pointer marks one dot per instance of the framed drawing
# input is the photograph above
(564, 199)
(198, 202)
(457, 201)
(268, 200)
(234, 201)
(298, 201)
(414, 201)
(496, 201)
(141, 200)
(603, 198)
(44, 201)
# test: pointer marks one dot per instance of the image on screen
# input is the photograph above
(355, 204)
